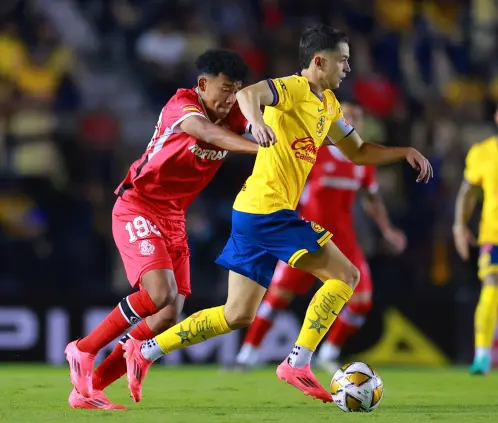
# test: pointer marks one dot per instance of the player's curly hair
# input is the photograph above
(216, 61)
(318, 38)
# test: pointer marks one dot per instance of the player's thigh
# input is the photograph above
(289, 282)
(243, 300)
(167, 316)
(144, 253)
(329, 263)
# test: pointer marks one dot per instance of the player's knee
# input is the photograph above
(238, 319)
(351, 275)
(161, 286)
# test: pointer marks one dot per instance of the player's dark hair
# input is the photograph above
(318, 38)
(216, 61)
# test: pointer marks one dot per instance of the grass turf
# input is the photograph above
(207, 394)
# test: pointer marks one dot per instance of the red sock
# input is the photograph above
(114, 366)
(129, 311)
(264, 319)
(348, 323)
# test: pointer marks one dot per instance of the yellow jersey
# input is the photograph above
(301, 122)
(481, 169)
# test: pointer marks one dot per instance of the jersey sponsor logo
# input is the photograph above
(146, 247)
(282, 85)
(320, 126)
(207, 154)
(320, 109)
(305, 149)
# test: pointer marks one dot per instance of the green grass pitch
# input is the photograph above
(207, 394)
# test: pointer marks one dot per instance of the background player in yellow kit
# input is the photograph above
(302, 115)
(481, 172)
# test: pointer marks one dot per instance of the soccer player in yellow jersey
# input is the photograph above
(481, 172)
(302, 114)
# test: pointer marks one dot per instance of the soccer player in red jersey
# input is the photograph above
(328, 199)
(195, 130)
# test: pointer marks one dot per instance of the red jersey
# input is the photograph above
(331, 190)
(176, 167)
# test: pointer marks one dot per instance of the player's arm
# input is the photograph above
(250, 100)
(466, 201)
(202, 129)
(375, 209)
(464, 207)
(366, 153)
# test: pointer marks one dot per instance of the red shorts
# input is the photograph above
(146, 243)
(299, 282)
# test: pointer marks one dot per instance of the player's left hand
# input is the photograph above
(420, 163)
(396, 239)
(263, 134)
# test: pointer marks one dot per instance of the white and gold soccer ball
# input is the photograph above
(356, 387)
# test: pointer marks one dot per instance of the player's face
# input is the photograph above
(218, 94)
(354, 115)
(335, 65)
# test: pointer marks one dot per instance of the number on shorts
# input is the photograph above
(141, 228)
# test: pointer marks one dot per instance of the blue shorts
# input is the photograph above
(258, 241)
(488, 260)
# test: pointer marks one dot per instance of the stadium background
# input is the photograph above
(81, 86)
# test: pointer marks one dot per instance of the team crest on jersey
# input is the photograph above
(316, 227)
(146, 247)
(320, 126)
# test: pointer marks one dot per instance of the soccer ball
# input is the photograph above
(356, 387)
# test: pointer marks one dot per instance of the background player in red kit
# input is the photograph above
(196, 129)
(328, 199)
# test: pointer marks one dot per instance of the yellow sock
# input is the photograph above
(322, 311)
(196, 328)
(486, 316)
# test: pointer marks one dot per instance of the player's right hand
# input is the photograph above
(464, 238)
(263, 134)
(420, 163)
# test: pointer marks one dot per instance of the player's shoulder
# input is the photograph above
(185, 101)
(293, 82)
(184, 95)
(483, 148)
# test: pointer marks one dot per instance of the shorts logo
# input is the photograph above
(316, 227)
(320, 126)
(146, 247)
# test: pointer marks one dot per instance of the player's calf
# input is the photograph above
(244, 298)
(114, 366)
(339, 278)
(275, 300)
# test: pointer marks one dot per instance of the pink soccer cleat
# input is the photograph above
(137, 367)
(81, 369)
(304, 380)
(98, 401)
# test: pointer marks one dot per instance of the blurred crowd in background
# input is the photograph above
(83, 81)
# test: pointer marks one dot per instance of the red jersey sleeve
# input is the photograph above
(370, 179)
(183, 104)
